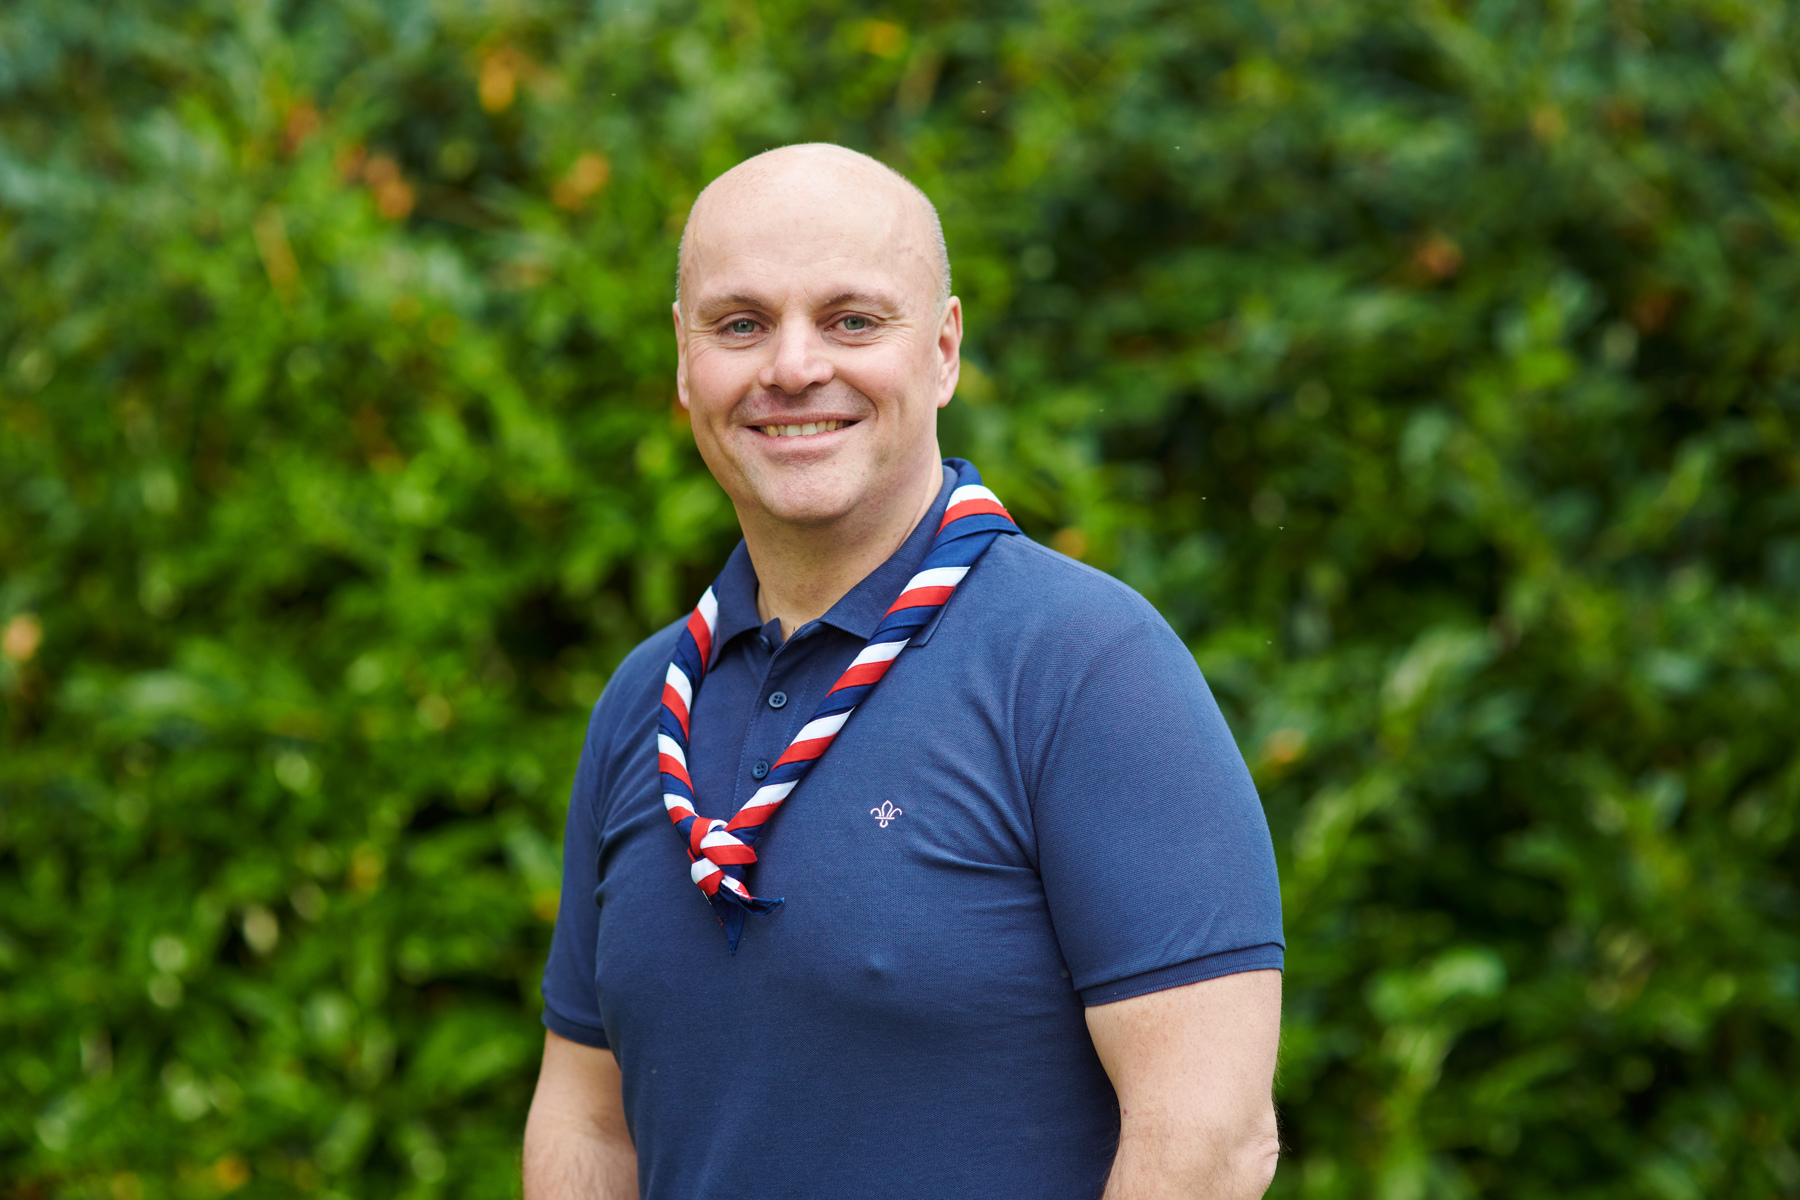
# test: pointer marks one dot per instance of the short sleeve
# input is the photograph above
(571, 1003)
(1152, 844)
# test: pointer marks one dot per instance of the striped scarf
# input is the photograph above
(719, 851)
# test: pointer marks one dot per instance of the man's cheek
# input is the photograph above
(708, 401)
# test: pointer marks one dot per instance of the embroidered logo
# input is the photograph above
(886, 812)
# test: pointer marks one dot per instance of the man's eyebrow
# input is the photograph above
(711, 307)
(722, 304)
(859, 299)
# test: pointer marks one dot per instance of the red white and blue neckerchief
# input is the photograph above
(720, 850)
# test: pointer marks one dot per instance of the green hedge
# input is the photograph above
(1433, 366)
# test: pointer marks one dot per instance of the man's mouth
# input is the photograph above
(807, 430)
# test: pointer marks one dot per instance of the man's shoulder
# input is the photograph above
(1040, 587)
(649, 659)
(641, 672)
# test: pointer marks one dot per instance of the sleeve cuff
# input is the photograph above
(1268, 956)
(575, 1031)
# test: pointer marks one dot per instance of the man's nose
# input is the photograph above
(799, 360)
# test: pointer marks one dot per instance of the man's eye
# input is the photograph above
(855, 324)
(742, 325)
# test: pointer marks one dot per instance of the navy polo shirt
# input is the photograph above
(1039, 809)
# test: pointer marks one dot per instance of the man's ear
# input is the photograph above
(949, 347)
(681, 389)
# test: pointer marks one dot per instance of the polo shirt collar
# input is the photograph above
(858, 611)
(735, 590)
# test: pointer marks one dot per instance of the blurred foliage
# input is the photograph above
(1432, 364)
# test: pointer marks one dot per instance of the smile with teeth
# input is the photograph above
(807, 430)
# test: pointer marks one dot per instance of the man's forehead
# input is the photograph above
(861, 286)
(797, 225)
(798, 232)
(873, 274)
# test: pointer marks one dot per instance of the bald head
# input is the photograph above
(813, 187)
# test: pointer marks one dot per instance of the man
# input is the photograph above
(1029, 936)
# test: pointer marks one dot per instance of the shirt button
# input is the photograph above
(759, 770)
(777, 699)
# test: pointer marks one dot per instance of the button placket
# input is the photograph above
(768, 732)
(756, 741)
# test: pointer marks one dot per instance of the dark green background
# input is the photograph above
(1433, 365)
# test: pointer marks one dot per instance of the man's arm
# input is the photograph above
(1193, 1067)
(576, 1143)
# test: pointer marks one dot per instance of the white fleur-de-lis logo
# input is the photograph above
(885, 813)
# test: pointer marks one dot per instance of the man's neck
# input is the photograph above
(802, 571)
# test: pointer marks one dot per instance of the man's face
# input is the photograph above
(814, 351)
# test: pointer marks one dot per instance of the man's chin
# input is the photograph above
(816, 495)
(808, 511)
